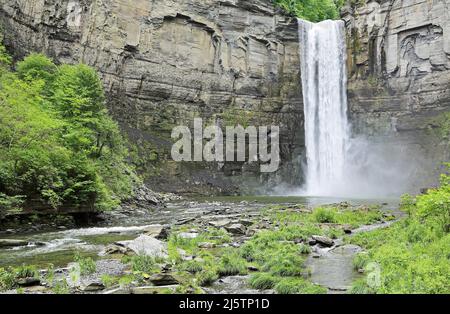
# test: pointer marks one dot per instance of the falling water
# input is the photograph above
(323, 59)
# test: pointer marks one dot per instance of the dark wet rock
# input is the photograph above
(163, 279)
(165, 233)
(145, 245)
(312, 241)
(246, 222)
(237, 229)
(12, 243)
(252, 268)
(28, 282)
(324, 241)
(184, 221)
(347, 229)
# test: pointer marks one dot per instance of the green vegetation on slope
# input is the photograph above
(312, 10)
(58, 145)
(413, 255)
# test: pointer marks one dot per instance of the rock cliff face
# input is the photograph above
(399, 73)
(165, 62)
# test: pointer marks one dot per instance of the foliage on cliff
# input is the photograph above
(413, 254)
(312, 10)
(58, 145)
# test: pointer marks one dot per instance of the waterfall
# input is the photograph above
(324, 82)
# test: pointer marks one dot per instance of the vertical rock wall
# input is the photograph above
(399, 74)
(164, 62)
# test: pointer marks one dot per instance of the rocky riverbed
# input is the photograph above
(196, 230)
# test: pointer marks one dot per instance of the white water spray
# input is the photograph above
(324, 80)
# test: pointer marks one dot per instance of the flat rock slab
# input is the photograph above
(12, 243)
(163, 280)
(324, 241)
(220, 223)
(153, 290)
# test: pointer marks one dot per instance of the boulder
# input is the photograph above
(12, 243)
(237, 229)
(93, 286)
(28, 282)
(163, 279)
(324, 241)
(145, 245)
(154, 231)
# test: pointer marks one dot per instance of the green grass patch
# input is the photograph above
(412, 254)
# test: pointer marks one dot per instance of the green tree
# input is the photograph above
(58, 144)
(312, 10)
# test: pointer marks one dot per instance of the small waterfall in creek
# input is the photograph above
(324, 82)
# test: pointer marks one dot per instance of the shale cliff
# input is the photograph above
(399, 74)
(165, 62)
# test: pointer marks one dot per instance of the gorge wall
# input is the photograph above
(399, 77)
(165, 62)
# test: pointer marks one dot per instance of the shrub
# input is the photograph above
(143, 264)
(109, 281)
(304, 249)
(262, 281)
(231, 264)
(284, 265)
(7, 280)
(58, 144)
(361, 260)
(26, 272)
(297, 286)
(192, 266)
(87, 264)
(61, 287)
(206, 278)
(311, 10)
(324, 215)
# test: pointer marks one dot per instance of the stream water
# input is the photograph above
(58, 247)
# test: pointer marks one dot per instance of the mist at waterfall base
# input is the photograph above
(337, 163)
